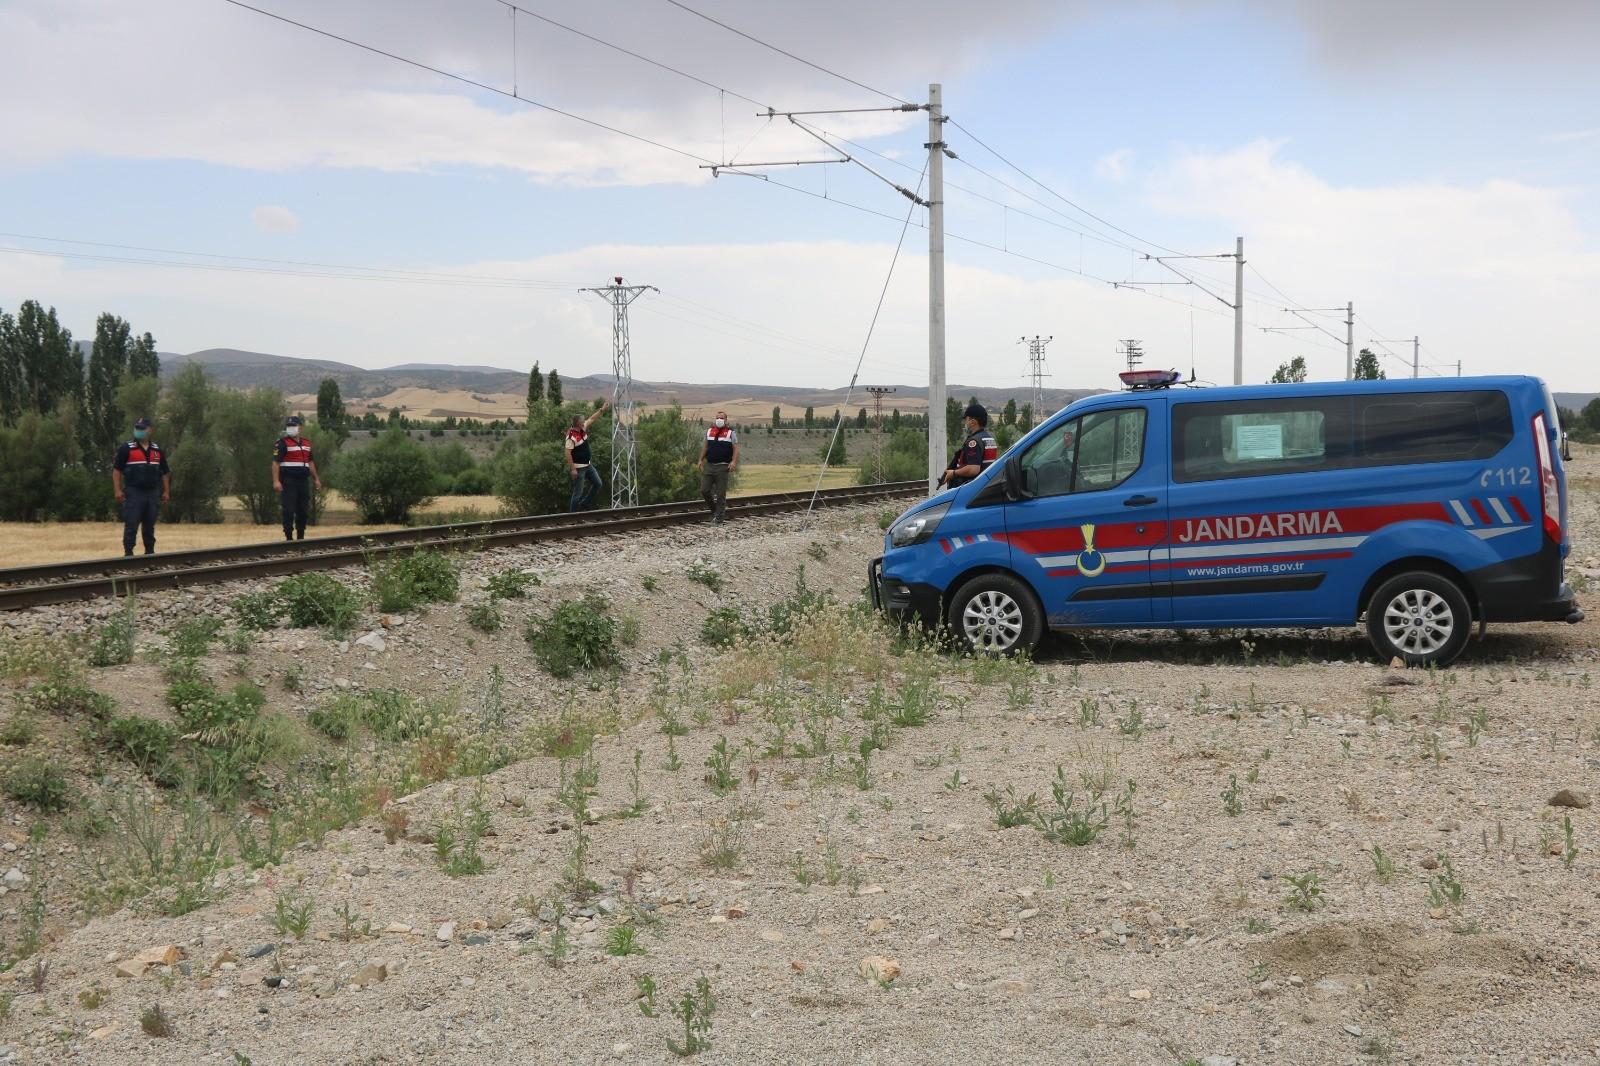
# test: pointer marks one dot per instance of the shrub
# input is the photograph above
(61, 697)
(339, 719)
(394, 715)
(192, 637)
(577, 635)
(318, 600)
(422, 577)
(113, 645)
(18, 731)
(38, 782)
(148, 743)
(485, 617)
(255, 610)
(388, 479)
(512, 584)
(724, 627)
(474, 482)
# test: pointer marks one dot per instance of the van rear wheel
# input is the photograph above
(997, 614)
(1420, 618)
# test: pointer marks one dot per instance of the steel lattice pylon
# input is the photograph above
(624, 461)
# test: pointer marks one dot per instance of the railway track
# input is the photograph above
(52, 583)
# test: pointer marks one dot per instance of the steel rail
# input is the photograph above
(211, 566)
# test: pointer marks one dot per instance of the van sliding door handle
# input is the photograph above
(1138, 501)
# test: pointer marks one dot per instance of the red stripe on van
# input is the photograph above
(1522, 512)
(1482, 512)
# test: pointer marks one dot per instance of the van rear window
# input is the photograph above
(1438, 427)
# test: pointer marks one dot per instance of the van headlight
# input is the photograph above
(917, 526)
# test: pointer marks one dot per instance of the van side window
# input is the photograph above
(1251, 438)
(1433, 427)
(1099, 450)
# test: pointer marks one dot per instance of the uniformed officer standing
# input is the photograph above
(585, 478)
(977, 452)
(719, 457)
(294, 473)
(140, 478)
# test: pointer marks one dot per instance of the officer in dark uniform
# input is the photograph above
(719, 457)
(976, 452)
(293, 475)
(141, 480)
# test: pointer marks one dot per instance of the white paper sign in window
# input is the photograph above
(1257, 442)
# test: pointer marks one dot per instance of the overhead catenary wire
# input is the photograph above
(838, 421)
(463, 79)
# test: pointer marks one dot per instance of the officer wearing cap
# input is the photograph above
(293, 474)
(141, 480)
(976, 452)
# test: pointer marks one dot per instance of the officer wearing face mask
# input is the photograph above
(139, 477)
(293, 475)
(718, 458)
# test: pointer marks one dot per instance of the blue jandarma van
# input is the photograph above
(1419, 505)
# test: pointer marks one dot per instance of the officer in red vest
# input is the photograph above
(294, 473)
(719, 457)
(139, 477)
(977, 452)
(580, 465)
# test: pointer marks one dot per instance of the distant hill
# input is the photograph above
(1575, 401)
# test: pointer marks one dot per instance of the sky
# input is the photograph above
(222, 178)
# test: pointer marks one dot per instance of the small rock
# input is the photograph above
(1007, 934)
(273, 980)
(1219, 1060)
(499, 919)
(878, 925)
(15, 878)
(870, 890)
(1138, 993)
(608, 906)
(736, 912)
(261, 952)
(1353, 1029)
(397, 927)
(1429, 863)
(1119, 927)
(446, 933)
(1026, 913)
(772, 936)
(1567, 797)
(372, 973)
(475, 940)
(373, 640)
(879, 969)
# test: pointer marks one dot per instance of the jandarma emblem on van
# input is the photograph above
(1244, 527)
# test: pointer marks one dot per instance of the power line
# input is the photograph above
(784, 52)
(472, 82)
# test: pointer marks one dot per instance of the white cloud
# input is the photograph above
(1498, 274)
(1114, 166)
(203, 80)
(272, 219)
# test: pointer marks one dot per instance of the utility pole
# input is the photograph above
(878, 393)
(1350, 341)
(936, 383)
(1238, 312)
(624, 462)
(1416, 352)
(1133, 352)
(1036, 345)
(1458, 368)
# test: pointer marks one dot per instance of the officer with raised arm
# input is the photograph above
(585, 478)
(976, 452)
(141, 481)
(294, 473)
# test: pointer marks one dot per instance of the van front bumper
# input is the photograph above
(903, 599)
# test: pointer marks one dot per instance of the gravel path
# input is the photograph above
(1008, 947)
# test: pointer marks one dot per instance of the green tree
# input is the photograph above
(811, 417)
(894, 420)
(1025, 417)
(184, 428)
(666, 450)
(49, 366)
(388, 479)
(777, 417)
(330, 405)
(108, 361)
(1591, 415)
(954, 428)
(143, 362)
(832, 451)
(535, 388)
(10, 371)
(861, 418)
(246, 426)
(1288, 373)
(553, 391)
(905, 457)
(1008, 416)
(33, 455)
(530, 469)
(1366, 368)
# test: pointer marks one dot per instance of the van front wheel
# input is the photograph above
(1420, 618)
(997, 614)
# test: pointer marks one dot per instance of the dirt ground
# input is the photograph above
(1173, 937)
